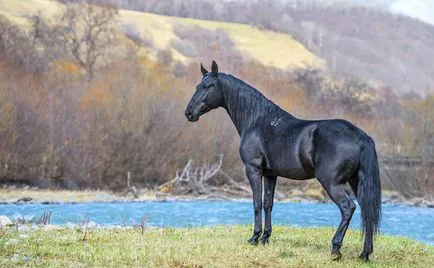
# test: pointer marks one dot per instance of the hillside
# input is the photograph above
(282, 50)
(368, 40)
(361, 41)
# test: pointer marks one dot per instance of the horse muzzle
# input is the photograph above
(191, 116)
(194, 114)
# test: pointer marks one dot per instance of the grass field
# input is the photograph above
(201, 247)
(270, 48)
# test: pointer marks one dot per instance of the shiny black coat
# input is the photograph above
(275, 143)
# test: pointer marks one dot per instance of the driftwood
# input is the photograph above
(195, 180)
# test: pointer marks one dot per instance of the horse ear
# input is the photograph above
(214, 68)
(203, 70)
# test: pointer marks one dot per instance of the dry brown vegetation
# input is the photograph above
(78, 114)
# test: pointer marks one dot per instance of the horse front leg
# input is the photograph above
(255, 179)
(269, 186)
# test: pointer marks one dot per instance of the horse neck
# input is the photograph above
(245, 105)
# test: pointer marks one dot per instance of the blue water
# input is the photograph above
(400, 220)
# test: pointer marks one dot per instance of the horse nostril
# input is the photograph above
(188, 113)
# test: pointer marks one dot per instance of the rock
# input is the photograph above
(15, 258)
(25, 199)
(91, 224)
(295, 192)
(23, 228)
(5, 221)
(279, 195)
(387, 200)
(426, 203)
(315, 194)
(51, 227)
(214, 197)
(430, 204)
(299, 199)
(417, 201)
(392, 197)
(70, 225)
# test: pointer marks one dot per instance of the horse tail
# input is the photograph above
(369, 189)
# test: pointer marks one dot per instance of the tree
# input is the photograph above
(84, 32)
(16, 47)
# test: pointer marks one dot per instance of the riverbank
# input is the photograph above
(198, 247)
(29, 195)
(44, 196)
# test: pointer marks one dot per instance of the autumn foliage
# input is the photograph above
(83, 115)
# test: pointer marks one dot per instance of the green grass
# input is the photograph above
(197, 247)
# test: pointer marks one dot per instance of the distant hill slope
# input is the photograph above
(392, 49)
(270, 48)
(369, 43)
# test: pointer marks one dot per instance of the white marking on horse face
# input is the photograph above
(275, 122)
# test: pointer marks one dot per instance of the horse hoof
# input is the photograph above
(364, 257)
(253, 242)
(336, 256)
(264, 241)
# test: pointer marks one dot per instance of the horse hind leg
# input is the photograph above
(340, 197)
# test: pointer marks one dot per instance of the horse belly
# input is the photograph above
(289, 152)
(292, 170)
(290, 164)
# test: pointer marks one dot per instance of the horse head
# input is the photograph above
(207, 97)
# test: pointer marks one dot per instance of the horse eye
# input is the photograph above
(209, 86)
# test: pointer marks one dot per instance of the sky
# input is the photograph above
(421, 9)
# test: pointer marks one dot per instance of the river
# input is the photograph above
(413, 222)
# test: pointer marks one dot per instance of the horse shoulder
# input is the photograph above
(251, 147)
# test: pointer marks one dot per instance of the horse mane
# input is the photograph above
(244, 103)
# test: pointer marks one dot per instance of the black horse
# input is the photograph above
(275, 143)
